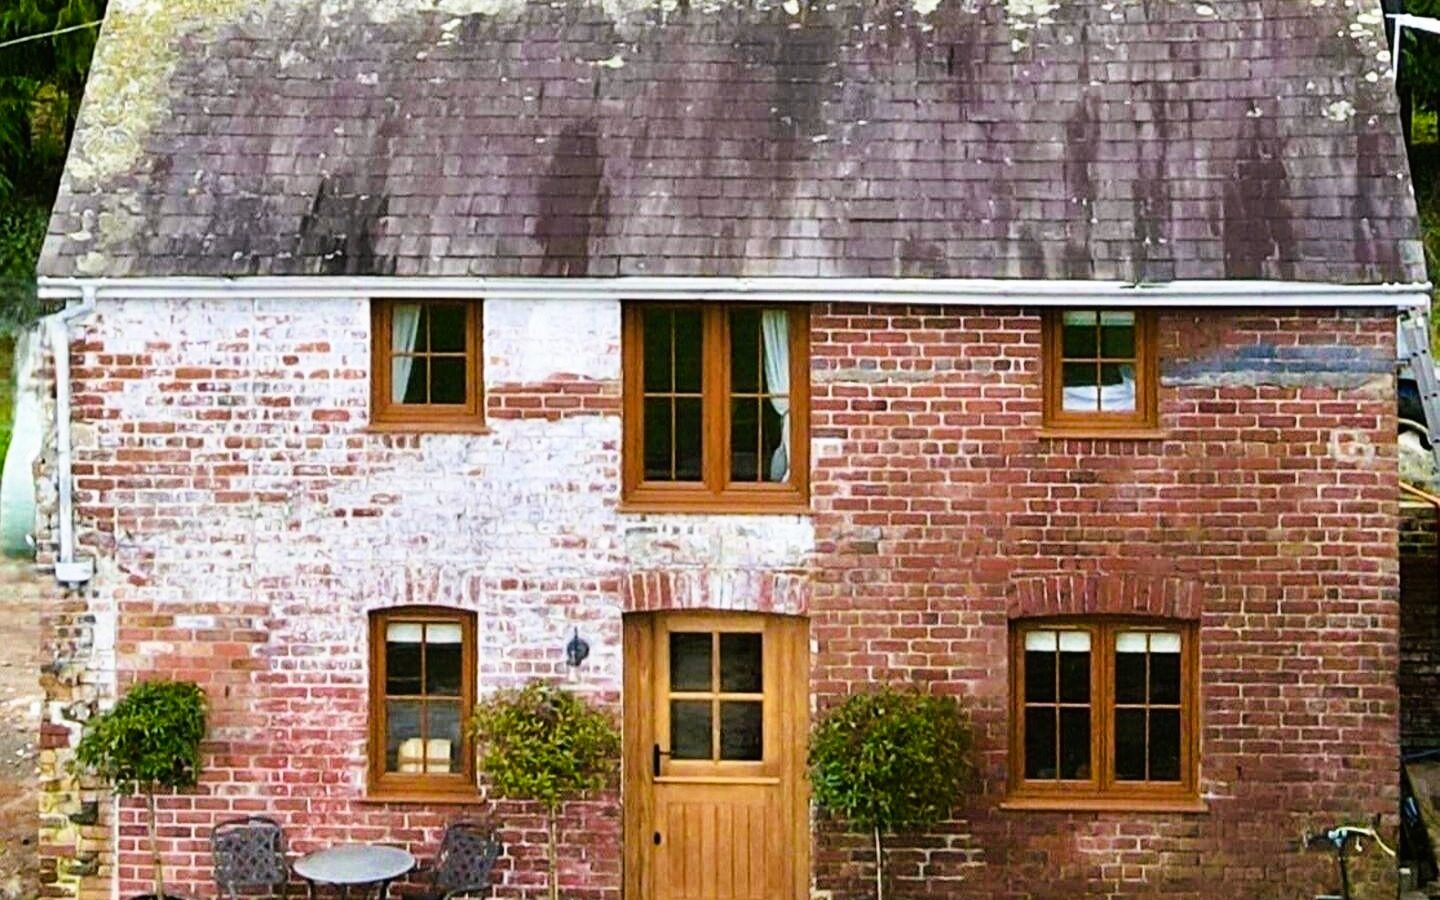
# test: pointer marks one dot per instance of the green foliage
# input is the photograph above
(1425, 174)
(890, 760)
(148, 741)
(1420, 58)
(544, 743)
(22, 230)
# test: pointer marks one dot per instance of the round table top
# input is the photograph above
(354, 864)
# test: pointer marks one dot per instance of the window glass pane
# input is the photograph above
(689, 453)
(443, 659)
(655, 325)
(1080, 391)
(741, 730)
(404, 749)
(657, 439)
(421, 340)
(1074, 675)
(1040, 676)
(447, 379)
(1074, 744)
(409, 376)
(1040, 742)
(688, 351)
(1042, 641)
(1117, 390)
(744, 440)
(1164, 673)
(1117, 335)
(1130, 667)
(741, 664)
(690, 727)
(402, 658)
(1130, 744)
(1165, 745)
(442, 746)
(776, 467)
(447, 327)
(690, 664)
(745, 351)
(1078, 335)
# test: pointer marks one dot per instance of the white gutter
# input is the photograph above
(910, 291)
(68, 570)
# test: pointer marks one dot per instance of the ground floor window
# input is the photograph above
(422, 687)
(1103, 709)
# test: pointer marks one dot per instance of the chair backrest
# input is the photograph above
(467, 854)
(248, 852)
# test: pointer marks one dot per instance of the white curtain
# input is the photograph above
(404, 328)
(775, 328)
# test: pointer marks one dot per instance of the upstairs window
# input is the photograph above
(1103, 710)
(1100, 370)
(425, 371)
(716, 402)
(422, 688)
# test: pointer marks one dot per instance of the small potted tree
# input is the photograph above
(890, 760)
(148, 742)
(543, 743)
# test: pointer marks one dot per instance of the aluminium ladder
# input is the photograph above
(1414, 328)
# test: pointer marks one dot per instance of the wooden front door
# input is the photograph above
(715, 713)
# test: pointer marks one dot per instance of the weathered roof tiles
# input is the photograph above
(1128, 139)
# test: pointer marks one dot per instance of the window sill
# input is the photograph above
(1105, 804)
(740, 506)
(439, 798)
(428, 428)
(1060, 433)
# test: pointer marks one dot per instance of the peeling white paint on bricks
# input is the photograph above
(527, 341)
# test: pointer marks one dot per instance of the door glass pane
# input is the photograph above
(745, 351)
(402, 658)
(1040, 649)
(1165, 668)
(656, 326)
(742, 730)
(1078, 334)
(1130, 667)
(1117, 334)
(741, 663)
(443, 659)
(689, 453)
(690, 727)
(404, 749)
(1074, 667)
(1074, 743)
(688, 351)
(1129, 745)
(744, 439)
(1164, 745)
(657, 439)
(442, 731)
(690, 664)
(447, 379)
(1040, 742)
(447, 327)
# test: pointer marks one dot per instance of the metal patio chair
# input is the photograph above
(462, 868)
(249, 853)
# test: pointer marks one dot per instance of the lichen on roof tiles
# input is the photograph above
(965, 138)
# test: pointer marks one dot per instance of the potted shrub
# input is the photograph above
(890, 760)
(148, 742)
(544, 744)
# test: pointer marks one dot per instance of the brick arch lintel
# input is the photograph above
(739, 590)
(1105, 593)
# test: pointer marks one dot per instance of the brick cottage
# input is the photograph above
(1040, 354)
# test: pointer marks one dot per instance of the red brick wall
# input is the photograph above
(1270, 502)
(246, 522)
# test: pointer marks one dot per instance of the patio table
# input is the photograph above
(350, 865)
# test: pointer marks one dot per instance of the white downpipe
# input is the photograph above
(68, 569)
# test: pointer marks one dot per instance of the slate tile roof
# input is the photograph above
(1105, 139)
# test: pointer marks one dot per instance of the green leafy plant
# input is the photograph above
(148, 742)
(544, 744)
(890, 760)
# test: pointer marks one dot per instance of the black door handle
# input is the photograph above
(655, 754)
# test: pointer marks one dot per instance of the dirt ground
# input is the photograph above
(19, 724)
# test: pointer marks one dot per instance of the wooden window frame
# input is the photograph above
(1143, 420)
(395, 785)
(1102, 791)
(714, 492)
(385, 414)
